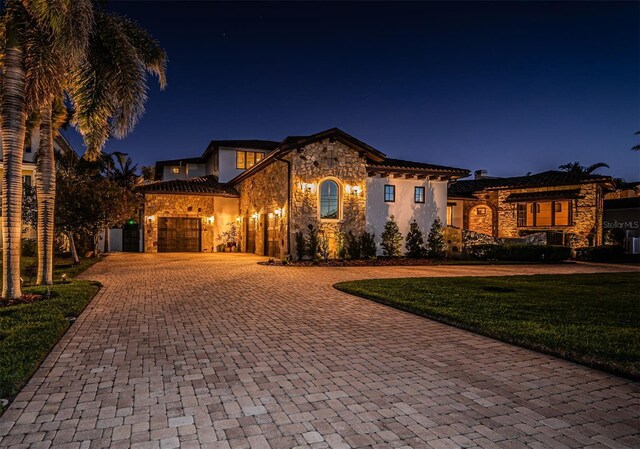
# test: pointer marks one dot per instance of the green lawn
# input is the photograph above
(28, 332)
(592, 319)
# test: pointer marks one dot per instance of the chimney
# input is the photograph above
(480, 174)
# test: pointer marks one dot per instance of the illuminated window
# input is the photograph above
(481, 211)
(549, 213)
(175, 170)
(449, 215)
(247, 159)
(418, 195)
(389, 194)
(329, 200)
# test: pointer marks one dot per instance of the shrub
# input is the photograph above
(520, 253)
(341, 248)
(368, 247)
(352, 244)
(391, 239)
(436, 244)
(312, 242)
(323, 246)
(300, 245)
(605, 253)
(414, 241)
(29, 247)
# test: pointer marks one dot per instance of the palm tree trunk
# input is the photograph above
(72, 247)
(12, 127)
(46, 195)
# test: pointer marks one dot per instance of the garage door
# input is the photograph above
(178, 235)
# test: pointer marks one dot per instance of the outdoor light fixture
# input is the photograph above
(238, 219)
(255, 215)
(211, 219)
(355, 190)
(306, 187)
(278, 212)
(151, 218)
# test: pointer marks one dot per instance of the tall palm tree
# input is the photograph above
(579, 169)
(107, 85)
(36, 39)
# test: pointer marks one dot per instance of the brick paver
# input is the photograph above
(215, 351)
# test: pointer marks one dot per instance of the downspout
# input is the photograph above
(288, 202)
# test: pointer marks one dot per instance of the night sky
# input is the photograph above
(510, 87)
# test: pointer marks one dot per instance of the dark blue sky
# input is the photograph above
(510, 87)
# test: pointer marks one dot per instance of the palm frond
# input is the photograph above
(591, 168)
(68, 22)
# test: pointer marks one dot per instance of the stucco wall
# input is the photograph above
(224, 210)
(404, 209)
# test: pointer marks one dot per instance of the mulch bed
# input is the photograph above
(27, 298)
(378, 262)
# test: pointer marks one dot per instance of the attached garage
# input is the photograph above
(179, 235)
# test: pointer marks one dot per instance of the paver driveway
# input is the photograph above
(216, 351)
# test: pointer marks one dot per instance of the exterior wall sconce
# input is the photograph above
(278, 212)
(150, 218)
(352, 190)
(238, 219)
(255, 215)
(307, 187)
(270, 215)
(210, 219)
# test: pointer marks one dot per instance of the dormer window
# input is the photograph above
(175, 170)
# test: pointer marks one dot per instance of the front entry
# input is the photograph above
(131, 238)
(179, 235)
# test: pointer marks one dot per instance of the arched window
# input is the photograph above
(329, 200)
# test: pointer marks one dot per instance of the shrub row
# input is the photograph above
(605, 253)
(519, 253)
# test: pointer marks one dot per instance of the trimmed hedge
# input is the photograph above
(604, 253)
(519, 253)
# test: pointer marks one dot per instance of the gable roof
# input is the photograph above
(186, 160)
(549, 178)
(205, 185)
(294, 142)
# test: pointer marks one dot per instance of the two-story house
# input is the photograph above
(267, 191)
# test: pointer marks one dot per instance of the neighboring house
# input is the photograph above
(622, 215)
(60, 145)
(267, 191)
(567, 207)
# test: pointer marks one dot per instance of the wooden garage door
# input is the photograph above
(179, 235)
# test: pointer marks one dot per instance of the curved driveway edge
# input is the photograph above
(215, 351)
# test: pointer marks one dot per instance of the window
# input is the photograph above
(175, 170)
(27, 149)
(389, 194)
(329, 200)
(247, 159)
(418, 195)
(26, 181)
(549, 213)
(449, 215)
(482, 211)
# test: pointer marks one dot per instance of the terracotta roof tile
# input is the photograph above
(206, 185)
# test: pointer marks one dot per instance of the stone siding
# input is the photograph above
(313, 164)
(223, 210)
(261, 195)
(587, 215)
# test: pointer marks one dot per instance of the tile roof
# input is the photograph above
(205, 185)
(545, 179)
(419, 166)
(544, 195)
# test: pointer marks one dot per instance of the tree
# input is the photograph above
(37, 40)
(415, 242)
(391, 239)
(579, 169)
(88, 202)
(436, 245)
(368, 245)
(352, 244)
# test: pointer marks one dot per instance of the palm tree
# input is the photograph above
(36, 40)
(579, 169)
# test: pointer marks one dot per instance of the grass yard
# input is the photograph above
(593, 319)
(28, 332)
